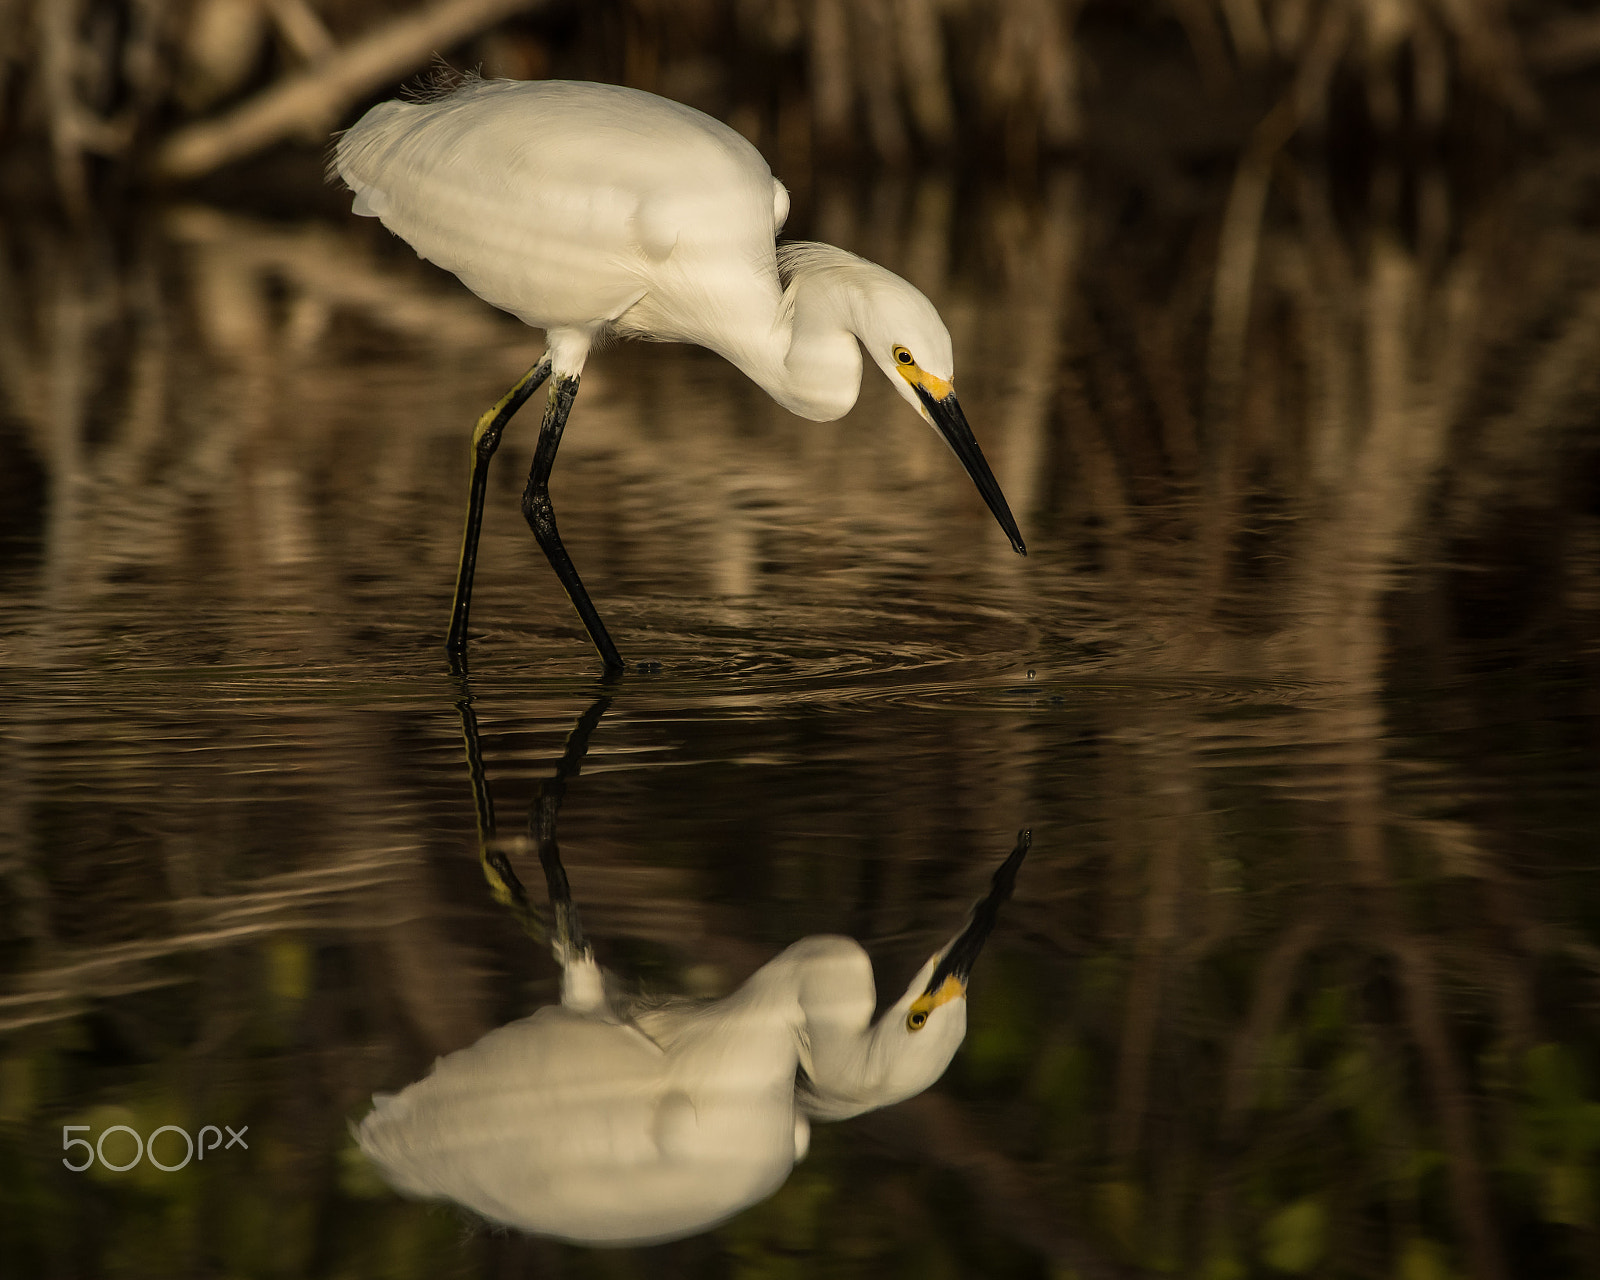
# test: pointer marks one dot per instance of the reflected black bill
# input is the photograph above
(963, 952)
(952, 425)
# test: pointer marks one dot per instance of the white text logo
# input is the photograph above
(193, 1147)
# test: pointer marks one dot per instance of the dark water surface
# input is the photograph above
(1296, 690)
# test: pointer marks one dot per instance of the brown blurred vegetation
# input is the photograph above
(1298, 987)
(138, 91)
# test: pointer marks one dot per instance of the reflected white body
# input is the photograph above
(580, 1124)
(584, 208)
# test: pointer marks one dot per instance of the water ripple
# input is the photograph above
(688, 656)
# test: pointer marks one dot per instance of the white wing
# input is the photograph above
(565, 203)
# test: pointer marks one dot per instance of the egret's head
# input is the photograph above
(910, 1046)
(903, 334)
(921, 1033)
(906, 338)
(933, 1012)
(904, 1052)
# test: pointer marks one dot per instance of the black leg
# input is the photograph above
(485, 440)
(541, 516)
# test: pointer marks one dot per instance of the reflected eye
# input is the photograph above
(903, 356)
(916, 1019)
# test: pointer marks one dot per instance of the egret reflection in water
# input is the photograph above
(606, 1121)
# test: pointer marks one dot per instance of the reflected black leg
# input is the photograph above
(485, 440)
(497, 870)
(541, 516)
(569, 940)
(566, 938)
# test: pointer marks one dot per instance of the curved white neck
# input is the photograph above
(809, 361)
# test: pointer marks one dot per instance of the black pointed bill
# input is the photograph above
(951, 423)
(959, 957)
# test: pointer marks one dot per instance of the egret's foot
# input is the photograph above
(610, 675)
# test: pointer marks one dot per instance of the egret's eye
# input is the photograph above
(916, 1019)
(903, 356)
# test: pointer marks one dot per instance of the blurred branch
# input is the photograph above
(936, 1130)
(1430, 1027)
(321, 264)
(1568, 43)
(1241, 223)
(301, 28)
(310, 101)
(1274, 986)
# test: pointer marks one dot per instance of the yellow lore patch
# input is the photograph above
(950, 989)
(938, 388)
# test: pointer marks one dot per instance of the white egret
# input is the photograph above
(591, 210)
(604, 1126)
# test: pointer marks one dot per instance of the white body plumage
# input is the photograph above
(590, 1126)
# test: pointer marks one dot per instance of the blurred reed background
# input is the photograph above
(149, 90)
(1279, 322)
